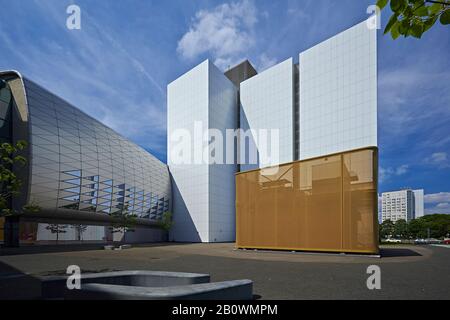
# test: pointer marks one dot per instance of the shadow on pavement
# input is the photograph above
(398, 252)
(38, 249)
(16, 285)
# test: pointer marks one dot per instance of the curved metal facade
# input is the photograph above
(79, 169)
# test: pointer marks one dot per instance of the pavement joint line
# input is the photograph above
(5, 276)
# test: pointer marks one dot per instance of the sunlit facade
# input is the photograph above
(203, 188)
(320, 193)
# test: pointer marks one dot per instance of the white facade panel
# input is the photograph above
(267, 102)
(418, 203)
(203, 191)
(187, 103)
(338, 93)
(222, 116)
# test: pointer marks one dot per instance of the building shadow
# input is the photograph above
(248, 146)
(398, 252)
(38, 249)
(61, 248)
(16, 285)
(183, 229)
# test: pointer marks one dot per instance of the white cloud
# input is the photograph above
(440, 197)
(440, 208)
(437, 202)
(387, 173)
(439, 159)
(265, 62)
(403, 169)
(443, 205)
(225, 32)
(405, 92)
(298, 13)
(108, 77)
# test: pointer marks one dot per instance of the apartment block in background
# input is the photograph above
(402, 205)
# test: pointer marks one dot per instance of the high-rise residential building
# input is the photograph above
(322, 191)
(402, 205)
(397, 205)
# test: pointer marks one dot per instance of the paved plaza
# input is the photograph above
(407, 272)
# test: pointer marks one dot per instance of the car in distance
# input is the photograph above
(392, 240)
(427, 241)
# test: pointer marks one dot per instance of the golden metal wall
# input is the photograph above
(323, 204)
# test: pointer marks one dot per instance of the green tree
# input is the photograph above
(400, 229)
(437, 224)
(123, 221)
(386, 229)
(166, 223)
(434, 225)
(10, 184)
(414, 17)
(417, 229)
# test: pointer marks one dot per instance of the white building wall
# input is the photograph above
(338, 93)
(187, 103)
(203, 192)
(418, 203)
(267, 102)
(222, 191)
(70, 233)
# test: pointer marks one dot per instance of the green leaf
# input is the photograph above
(429, 23)
(445, 17)
(398, 6)
(435, 8)
(391, 22)
(382, 3)
(404, 27)
(394, 31)
(417, 30)
(422, 12)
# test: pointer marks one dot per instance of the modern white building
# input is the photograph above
(402, 205)
(203, 187)
(338, 93)
(325, 104)
(267, 103)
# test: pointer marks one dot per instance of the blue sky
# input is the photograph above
(117, 66)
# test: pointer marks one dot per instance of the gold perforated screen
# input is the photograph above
(322, 204)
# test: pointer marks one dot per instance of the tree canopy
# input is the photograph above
(415, 17)
(434, 226)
